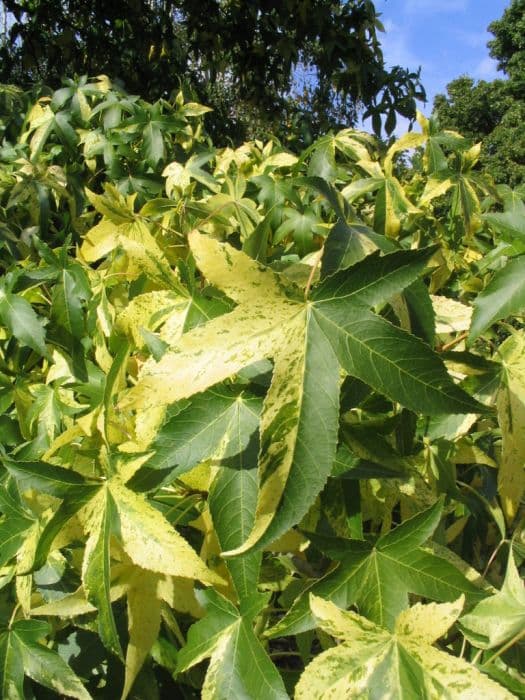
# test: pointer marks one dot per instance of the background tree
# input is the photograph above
(263, 66)
(494, 112)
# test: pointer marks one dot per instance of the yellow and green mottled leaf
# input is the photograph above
(371, 662)
(511, 416)
(150, 541)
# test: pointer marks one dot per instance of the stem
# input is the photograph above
(312, 273)
(463, 647)
(511, 642)
(492, 557)
(13, 615)
(454, 342)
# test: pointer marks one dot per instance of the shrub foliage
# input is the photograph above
(263, 414)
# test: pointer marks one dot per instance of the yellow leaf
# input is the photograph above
(144, 606)
(429, 622)
(250, 332)
(151, 542)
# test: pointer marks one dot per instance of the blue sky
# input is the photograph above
(447, 38)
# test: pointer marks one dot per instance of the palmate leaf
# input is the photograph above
(19, 317)
(372, 662)
(307, 341)
(110, 510)
(22, 654)
(145, 592)
(503, 296)
(239, 665)
(377, 577)
(497, 619)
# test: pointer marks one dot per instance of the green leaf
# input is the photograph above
(45, 477)
(195, 433)
(391, 361)
(233, 493)
(22, 321)
(346, 245)
(153, 144)
(377, 577)
(239, 666)
(271, 320)
(499, 618)
(502, 297)
(68, 296)
(22, 654)
(400, 665)
(511, 223)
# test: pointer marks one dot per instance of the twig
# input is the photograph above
(454, 342)
(504, 648)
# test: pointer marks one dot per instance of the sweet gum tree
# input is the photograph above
(262, 413)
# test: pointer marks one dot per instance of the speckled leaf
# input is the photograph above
(150, 541)
(378, 576)
(21, 653)
(239, 665)
(96, 567)
(371, 662)
(144, 605)
(302, 403)
(511, 417)
(210, 353)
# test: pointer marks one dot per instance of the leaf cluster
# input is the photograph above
(262, 413)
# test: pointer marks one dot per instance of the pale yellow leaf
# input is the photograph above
(144, 606)
(147, 311)
(371, 662)
(435, 188)
(24, 562)
(285, 390)
(429, 622)
(151, 542)
(210, 353)
(451, 316)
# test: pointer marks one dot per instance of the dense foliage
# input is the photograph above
(292, 67)
(263, 414)
(494, 112)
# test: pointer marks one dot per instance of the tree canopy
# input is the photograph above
(494, 112)
(263, 66)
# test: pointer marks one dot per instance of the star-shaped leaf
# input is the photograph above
(145, 592)
(22, 654)
(111, 509)
(370, 661)
(239, 666)
(378, 576)
(308, 341)
(497, 619)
